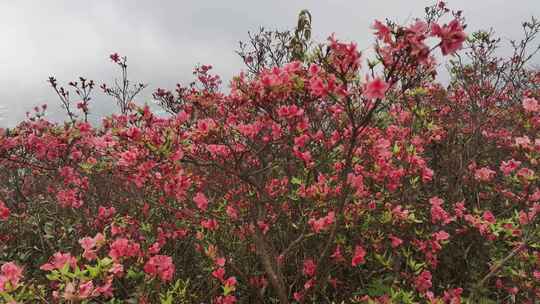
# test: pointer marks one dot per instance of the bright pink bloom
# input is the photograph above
(452, 36)
(117, 269)
(4, 211)
(322, 223)
(530, 105)
(484, 174)
(438, 214)
(124, 248)
(423, 281)
(309, 268)
(508, 167)
(230, 282)
(128, 158)
(105, 290)
(488, 217)
(58, 261)
(10, 272)
(201, 201)
(210, 224)
(161, 266)
(525, 173)
(396, 242)
(219, 274)
(383, 31)
(359, 256)
(317, 86)
(88, 244)
(375, 89)
(229, 299)
(86, 289)
(441, 236)
(523, 141)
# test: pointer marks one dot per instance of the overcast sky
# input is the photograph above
(165, 39)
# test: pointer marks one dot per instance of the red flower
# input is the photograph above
(375, 89)
(484, 174)
(59, 260)
(530, 105)
(396, 242)
(4, 211)
(160, 266)
(452, 36)
(11, 273)
(124, 248)
(359, 256)
(201, 201)
(423, 281)
(309, 268)
(383, 32)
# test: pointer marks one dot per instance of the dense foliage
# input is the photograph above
(322, 176)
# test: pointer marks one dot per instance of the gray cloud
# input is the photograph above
(165, 39)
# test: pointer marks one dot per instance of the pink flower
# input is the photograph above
(11, 273)
(452, 36)
(263, 226)
(229, 299)
(396, 242)
(359, 256)
(117, 269)
(488, 217)
(484, 174)
(317, 86)
(128, 158)
(523, 141)
(86, 289)
(232, 212)
(298, 296)
(161, 266)
(88, 244)
(219, 274)
(322, 223)
(201, 201)
(375, 89)
(58, 261)
(4, 211)
(124, 248)
(508, 167)
(106, 289)
(525, 173)
(423, 281)
(441, 236)
(383, 32)
(309, 268)
(210, 224)
(314, 69)
(530, 105)
(230, 282)
(438, 214)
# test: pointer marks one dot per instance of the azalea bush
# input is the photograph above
(321, 176)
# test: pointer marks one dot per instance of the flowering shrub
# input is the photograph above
(322, 176)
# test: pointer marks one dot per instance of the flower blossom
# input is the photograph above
(160, 266)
